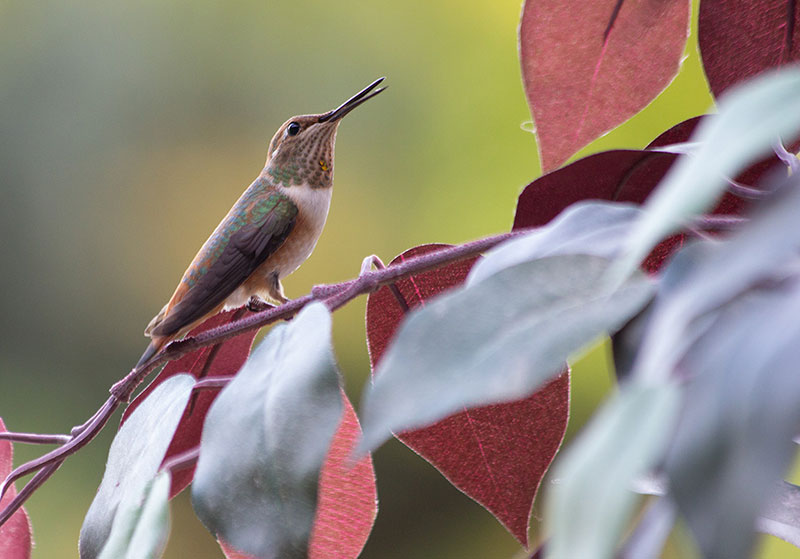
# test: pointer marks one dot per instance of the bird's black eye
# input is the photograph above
(293, 128)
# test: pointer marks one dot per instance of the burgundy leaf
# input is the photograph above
(589, 66)
(754, 175)
(497, 454)
(223, 359)
(347, 502)
(741, 38)
(15, 535)
(620, 175)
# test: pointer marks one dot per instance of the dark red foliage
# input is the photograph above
(741, 38)
(223, 359)
(498, 454)
(589, 66)
(347, 503)
(15, 534)
(625, 176)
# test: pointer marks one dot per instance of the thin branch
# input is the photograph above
(374, 260)
(33, 438)
(34, 484)
(334, 296)
(58, 455)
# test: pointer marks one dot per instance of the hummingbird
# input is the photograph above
(267, 234)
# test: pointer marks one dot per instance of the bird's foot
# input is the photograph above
(256, 304)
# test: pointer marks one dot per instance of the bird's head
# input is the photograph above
(302, 149)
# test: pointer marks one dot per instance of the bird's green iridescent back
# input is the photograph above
(254, 206)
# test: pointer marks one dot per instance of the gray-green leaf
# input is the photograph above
(751, 117)
(705, 276)
(592, 501)
(140, 529)
(494, 341)
(589, 227)
(734, 441)
(134, 459)
(265, 438)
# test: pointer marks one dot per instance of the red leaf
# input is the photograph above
(589, 66)
(625, 176)
(347, 501)
(741, 38)
(498, 454)
(223, 359)
(15, 534)
(752, 176)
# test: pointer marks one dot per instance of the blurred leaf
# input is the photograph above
(347, 503)
(231, 553)
(781, 517)
(224, 359)
(539, 552)
(626, 342)
(498, 454)
(591, 503)
(495, 341)
(618, 175)
(741, 39)
(588, 227)
(134, 458)
(15, 534)
(742, 408)
(753, 175)
(265, 440)
(589, 67)
(751, 117)
(705, 276)
(651, 532)
(141, 527)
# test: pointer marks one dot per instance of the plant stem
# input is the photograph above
(33, 438)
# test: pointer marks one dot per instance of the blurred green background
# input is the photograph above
(128, 129)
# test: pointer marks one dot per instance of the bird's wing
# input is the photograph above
(216, 277)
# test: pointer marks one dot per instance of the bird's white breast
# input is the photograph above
(313, 205)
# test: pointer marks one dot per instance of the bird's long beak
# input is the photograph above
(353, 102)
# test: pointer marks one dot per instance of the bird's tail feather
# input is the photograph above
(151, 350)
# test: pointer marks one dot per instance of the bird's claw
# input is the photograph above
(254, 304)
